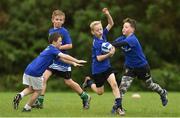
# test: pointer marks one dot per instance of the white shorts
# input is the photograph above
(35, 82)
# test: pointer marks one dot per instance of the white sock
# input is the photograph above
(27, 107)
(22, 94)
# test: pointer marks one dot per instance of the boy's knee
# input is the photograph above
(45, 79)
(69, 82)
(100, 92)
(38, 91)
(87, 77)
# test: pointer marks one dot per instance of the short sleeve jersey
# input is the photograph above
(134, 56)
(37, 67)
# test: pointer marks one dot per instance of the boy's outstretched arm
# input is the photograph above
(110, 20)
(119, 44)
(70, 58)
(71, 62)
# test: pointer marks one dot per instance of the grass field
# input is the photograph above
(69, 105)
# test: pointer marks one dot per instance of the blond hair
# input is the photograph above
(94, 23)
(58, 12)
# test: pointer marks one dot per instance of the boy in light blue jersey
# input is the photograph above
(136, 64)
(33, 73)
(101, 67)
(58, 67)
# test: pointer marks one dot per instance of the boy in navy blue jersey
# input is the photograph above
(59, 67)
(136, 64)
(33, 73)
(101, 68)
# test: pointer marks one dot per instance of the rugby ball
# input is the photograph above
(106, 47)
(136, 96)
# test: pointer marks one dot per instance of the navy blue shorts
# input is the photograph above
(100, 78)
(65, 75)
(141, 72)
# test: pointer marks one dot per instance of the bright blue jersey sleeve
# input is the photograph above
(37, 67)
(119, 39)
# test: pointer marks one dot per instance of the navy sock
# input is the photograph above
(118, 102)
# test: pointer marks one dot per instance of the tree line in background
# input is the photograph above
(24, 29)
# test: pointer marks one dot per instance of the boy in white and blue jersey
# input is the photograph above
(33, 73)
(67, 43)
(101, 67)
(58, 67)
(136, 64)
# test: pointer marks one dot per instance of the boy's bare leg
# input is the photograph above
(46, 76)
(40, 100)
(75, 86)
(112, 81)
(84, 96)
(31, 101)
(117, 108)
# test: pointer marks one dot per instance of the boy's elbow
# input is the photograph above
(62, 55)
(112, 24)
(99, 59)
(70, 46)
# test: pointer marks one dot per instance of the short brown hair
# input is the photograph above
(54, 37)
(58, 12)
(132, 22)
